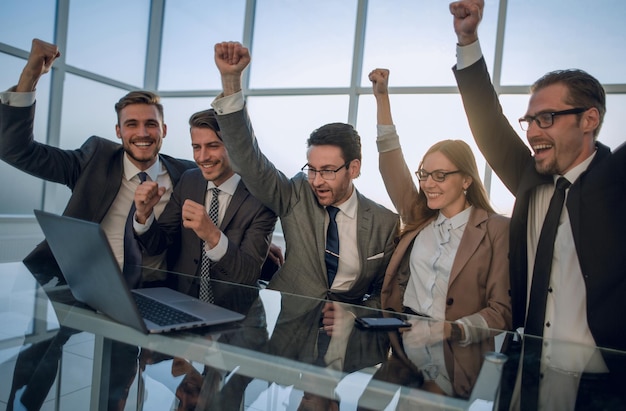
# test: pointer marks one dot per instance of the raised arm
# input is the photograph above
(263, 180)
(231, 58)
(380, 79)
(393, 168)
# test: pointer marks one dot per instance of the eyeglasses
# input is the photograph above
(325, 174)
(546, 119)
(437, 175)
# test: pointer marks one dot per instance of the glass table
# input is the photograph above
(56, 353)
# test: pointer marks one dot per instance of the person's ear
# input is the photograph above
(590, 120)
(467, 182)
(354, 168)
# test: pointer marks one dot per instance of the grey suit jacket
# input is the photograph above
(247, 223)
(93, 172)
(302, 220)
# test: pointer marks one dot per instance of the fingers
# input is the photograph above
(276, 255)
(195, 217)
(467, 8)
(147, 195)
(40, 60)
(232, 52)
(379, 74)
(192, 211)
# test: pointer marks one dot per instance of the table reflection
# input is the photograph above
(280, 357)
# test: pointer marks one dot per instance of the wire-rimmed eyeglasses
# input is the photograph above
(325, 174)
(546, 119)
(437, 175)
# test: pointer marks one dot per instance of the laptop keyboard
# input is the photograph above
(160, 313)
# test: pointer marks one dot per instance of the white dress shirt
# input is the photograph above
(569, 347)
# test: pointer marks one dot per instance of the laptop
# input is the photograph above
(94, 278)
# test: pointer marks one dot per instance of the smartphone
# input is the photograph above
(381, 323)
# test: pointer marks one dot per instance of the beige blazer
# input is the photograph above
(479, 280)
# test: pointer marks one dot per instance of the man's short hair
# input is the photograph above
(341, 135)
(139, 97)
(205, 119)
(584, 90)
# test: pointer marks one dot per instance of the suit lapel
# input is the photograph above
(320, 237)
(112, 185)
(472, 237)
(241, 193)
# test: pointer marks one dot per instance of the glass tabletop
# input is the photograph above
(57, 353)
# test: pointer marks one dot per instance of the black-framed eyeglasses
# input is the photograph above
(437, 175)
(325, 174)
(546, 118)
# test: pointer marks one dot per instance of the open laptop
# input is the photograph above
(94, 277)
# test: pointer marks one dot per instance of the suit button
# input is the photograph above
(449, 301)
(195, 261)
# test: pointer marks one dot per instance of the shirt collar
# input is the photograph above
(349, 207)
(575, 172)
(456, 221)
(229, 186)
(131, 170)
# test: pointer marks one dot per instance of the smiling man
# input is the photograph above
(366, 230)
(102, 174)
(584, 276)
(236, 244)
(338, 241)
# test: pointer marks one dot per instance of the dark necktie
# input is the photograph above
(206, 291)
(538, 297)
(132, 251)
(332, 246)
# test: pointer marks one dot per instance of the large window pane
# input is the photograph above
(88, 109)
(416, 41)
(303, 43)
(109, 38)
(24, 20)
(421, 121)
(612, 132)
(543, 36)
(281, 136)
(190, 30)
(22, 192)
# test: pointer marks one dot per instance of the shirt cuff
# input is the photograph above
(216, 253)
(387, 139)
(475, 328)
(229, 104)
(15, 99)
(142, 228)
(468, 55)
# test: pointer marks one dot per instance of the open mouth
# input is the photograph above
(142, 144)
(433, 195)
(540, 148)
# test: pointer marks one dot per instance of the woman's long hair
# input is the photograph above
(460, 154)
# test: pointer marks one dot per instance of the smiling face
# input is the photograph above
(210, 155)
(568, 141)
(446, 196)
(329, 157)
(141, 129)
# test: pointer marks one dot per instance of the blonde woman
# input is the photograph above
(451, 260)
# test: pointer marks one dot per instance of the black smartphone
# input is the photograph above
(380, 323)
